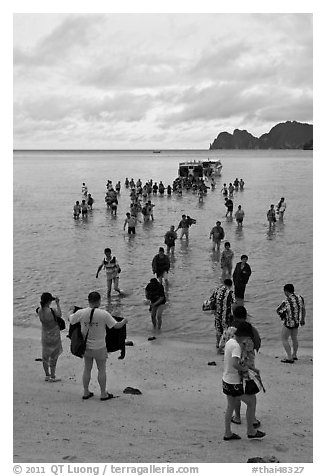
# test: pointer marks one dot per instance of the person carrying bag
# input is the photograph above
(89, 341)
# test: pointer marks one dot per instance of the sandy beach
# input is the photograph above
(179, 417)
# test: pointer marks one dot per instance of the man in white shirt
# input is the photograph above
(95, 328)
(232, 384)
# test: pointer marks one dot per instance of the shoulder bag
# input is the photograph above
(78, 342)
(61, 323)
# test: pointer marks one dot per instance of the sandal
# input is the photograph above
(90, 395)
(258, 434)
(287, 361)
(108, 397)
(234, 436)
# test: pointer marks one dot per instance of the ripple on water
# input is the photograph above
(56, 253)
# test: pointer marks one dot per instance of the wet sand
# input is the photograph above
(179, 417)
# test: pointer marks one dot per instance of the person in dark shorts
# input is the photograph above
(90, 201)
(161, 265)
(229, 206)
(232, 385)
(239, 214)
(154, 292)
(271, 216)
(169, 240)
(84, 209)
(131, 221)
(241, 275)
(292, 312)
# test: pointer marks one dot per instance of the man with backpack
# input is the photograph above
(169, 240)
(93, 322)
(161, 265)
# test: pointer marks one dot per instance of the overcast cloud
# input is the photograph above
(137, 81)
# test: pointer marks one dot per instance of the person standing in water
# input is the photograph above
(161, 266)
(271, 216)
(155, 294)
(169, 240)
(225, 190)
(84, 190)
(241, 275)
(84, 209)
(112, 269)
(229, 206)
(226, 261)
(217, 234)
(280, 209)
(184, 225)
(90, 201)
(131, 221)
(77, 210)
(239, 214)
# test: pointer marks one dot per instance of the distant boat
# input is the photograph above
(200, 168)
(157, 151)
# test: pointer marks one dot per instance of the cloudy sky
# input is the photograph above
(143, 81)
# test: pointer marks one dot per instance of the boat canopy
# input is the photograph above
(191, 169)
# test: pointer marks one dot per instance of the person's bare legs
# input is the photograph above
(294, 337)
(109, 285)
(231, 404)
(53, 365)
(237, 408)
(88, 364)
(116, 284)
(46, 369)
(153, 315)
(101, 376)
(250, 413)
(285, 341)
(159, 313)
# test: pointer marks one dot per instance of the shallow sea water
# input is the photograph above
(53, 252)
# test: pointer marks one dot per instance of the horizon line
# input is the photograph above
(102, 150)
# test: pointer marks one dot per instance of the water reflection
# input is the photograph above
(270, 233)
(238, 232)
